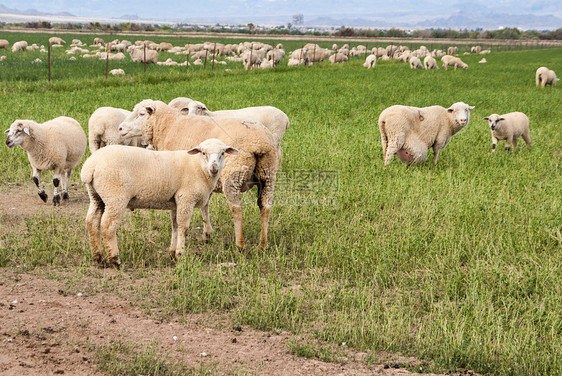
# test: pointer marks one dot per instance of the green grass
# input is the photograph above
(457, 264)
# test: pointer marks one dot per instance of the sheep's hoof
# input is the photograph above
(43, 196)
(98, 258)
(205, 237)
(115, 261)
(65, 196)
(56, 200)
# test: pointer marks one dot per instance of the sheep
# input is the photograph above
(370, 61)
(429, 62)
(256, 164)
(165, 46)
(252, 58)
(4, 44)
(275, 55)
(98, 40)
(411, 131)
(19, 46)
(138, 55)
(452, 50)
(57, 145)
(453, 61)
(509, 127)
(77, 43)
(338, 58)
(56, 41)
(118, 177)
(103, 128)
(545, 76)
(415, 63)
(117, 72)
(483, 60)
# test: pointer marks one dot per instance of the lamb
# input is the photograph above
(411, 131)
(509, 127)
(56, 40)
(370, 61)
(453, 61)
(252, 58)
(4, 44)
(138, 55)
(117, 72)
(19, 46)
(429, 62)
(57, 145)
(256, 164)
(338, 58)
(545, 76)
(452, 50)
(99, 41)
(415, 63)
(118, 177)
(103, 128)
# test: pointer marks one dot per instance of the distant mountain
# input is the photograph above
(466, 20)
(32, 12)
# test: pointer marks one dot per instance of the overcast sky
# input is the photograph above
(252, 10)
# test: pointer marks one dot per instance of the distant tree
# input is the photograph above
(251, 27)
(395, 33)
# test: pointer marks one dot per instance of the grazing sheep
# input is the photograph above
(118, 177)
(19, 46)
(509, 127)
(99, 41)
(117, 72)
(2, 58)
(545, 76)
(483, 60)
(452, 50)
(411, 131)
(415, 63)
(56, 41)
(256, 164)
(429, 62)
(453, 61)
(338, 58)
(370, 61)
(252, 58)
(4, 44)
(138, 55)
(57, 145)
(103, 128)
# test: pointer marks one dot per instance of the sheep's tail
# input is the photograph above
(384, 138)
(87, 173)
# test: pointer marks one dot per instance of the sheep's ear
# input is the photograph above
(230, 150)
(486, 118)
(471, 107)
(449, 110)
(184, 111)
(501, 119)
(150, 109)
(194, 151)
(26, 131)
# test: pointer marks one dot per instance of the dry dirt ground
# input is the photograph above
(45, 331)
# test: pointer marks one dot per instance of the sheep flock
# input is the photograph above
(144, 157)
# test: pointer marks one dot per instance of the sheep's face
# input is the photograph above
(16, 133)
(133, 124)
(460, 113)
(212, 153)
(494, 121)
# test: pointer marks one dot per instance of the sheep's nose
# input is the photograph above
(120, 129)
(214, 169)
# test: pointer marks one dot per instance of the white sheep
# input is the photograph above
(415, 63)
(452, 50)
(411, 131)
(509, 127)
(117, 72)
(429, 62)
(57, 145)
(545, 76)
(453, 61)
(338, 57)
(138, 55)
(103, 128)
(56, 41)
(19, 46)
(370, 61)
(4, 44)
(118, 177)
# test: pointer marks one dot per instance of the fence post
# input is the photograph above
(49, 58)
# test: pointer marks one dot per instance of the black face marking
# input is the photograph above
(43, 196)
(36, 181)
(56, 182)
(65, 196)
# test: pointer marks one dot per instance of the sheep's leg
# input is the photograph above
(435, 153)
(508, 144)
(207, 228)
(538, 81)
(236, 211)
(265, 203)
(514, 143)
(67, 174)
(391, 149)
(494, 142)
(36, 175)
(183, 217)
(56, 181)
(93, 219)
(109, 223)
(527, 137)
(174, 240)
(543, 83)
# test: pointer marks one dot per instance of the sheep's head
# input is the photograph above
(494, 121)
(139, 123)
(460, 114)
(212, 154)
(16, 133)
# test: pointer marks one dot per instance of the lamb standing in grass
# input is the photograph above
(453, 61)
(429, 62)
(19, 46)
(118, 177)
(103, 128)
(411, 131)
(370, 61)
(415, 63)
(57, 145)
(509, 127)
(545, 76)
(257, 163)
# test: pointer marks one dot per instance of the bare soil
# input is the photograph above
(46, 331)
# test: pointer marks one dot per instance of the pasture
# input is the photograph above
(455, 266)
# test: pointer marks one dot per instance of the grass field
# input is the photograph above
(458, 264)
